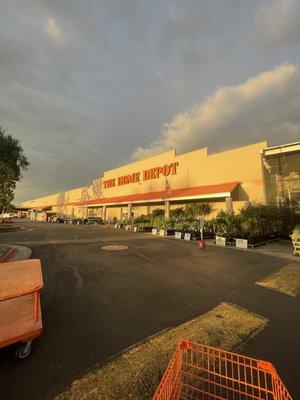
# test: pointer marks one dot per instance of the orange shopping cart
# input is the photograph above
(20, 306)
(199, 372)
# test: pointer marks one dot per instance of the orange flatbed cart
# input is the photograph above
(20, 305)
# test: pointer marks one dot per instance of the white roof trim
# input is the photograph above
(285, 148)
(197, 197)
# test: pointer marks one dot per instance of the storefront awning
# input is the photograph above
(44, 208)
(200, 192)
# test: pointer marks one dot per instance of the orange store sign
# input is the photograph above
(147, 174)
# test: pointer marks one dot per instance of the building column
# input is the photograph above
(229, 207)
(167, 210)
(104, 213)
(129, 212)
(147, 210)
(121, 214)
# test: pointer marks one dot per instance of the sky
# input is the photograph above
(93, 84)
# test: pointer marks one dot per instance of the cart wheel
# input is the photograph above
(24, 350)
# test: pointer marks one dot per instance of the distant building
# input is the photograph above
(229, 180)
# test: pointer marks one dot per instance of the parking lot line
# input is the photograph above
(136, 372)
(286, 280)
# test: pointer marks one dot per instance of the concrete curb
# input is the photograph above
(259, 251)
(15, 253)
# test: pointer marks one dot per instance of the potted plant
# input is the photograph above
(196, 212)
(168, 227)
(180, 227)
(142, 223)
(127, 224)
(159, 226)
(226, 227)
(259, 223)
(177, 217)
(220, 228)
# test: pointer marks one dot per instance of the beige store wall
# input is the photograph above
(197, 168)
(60, 201)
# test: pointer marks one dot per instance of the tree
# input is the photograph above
(227, 224)
(158, 212)
(12, 163)
(176, 213)
(198, 210)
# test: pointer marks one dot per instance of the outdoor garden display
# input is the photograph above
(142, 223)
(183, 223)
(254, 225)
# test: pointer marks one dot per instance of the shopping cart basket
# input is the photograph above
(199, 372)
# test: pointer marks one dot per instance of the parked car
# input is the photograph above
(94, 221)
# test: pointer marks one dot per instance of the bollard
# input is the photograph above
(201, 244)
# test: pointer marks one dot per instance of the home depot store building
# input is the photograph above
(229, 180)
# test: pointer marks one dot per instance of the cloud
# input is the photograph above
(277, 22)
(265, 106)
(84, 83)
(53, 30)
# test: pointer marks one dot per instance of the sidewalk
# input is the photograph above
(282, 249)
(14, 253)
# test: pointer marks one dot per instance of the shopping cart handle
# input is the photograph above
(266, 366)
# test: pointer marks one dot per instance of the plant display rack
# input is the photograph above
(296, 240)
(296, 245)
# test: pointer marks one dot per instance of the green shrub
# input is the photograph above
(259, 219)
(296, 232)
(176, 214)
(252, 221)
(141, 219)
(198, 210)
(158, 223)
(158, 212)
(227, 224)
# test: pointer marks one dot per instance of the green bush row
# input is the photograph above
(253, 220)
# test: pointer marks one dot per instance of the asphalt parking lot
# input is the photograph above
(97, 303)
